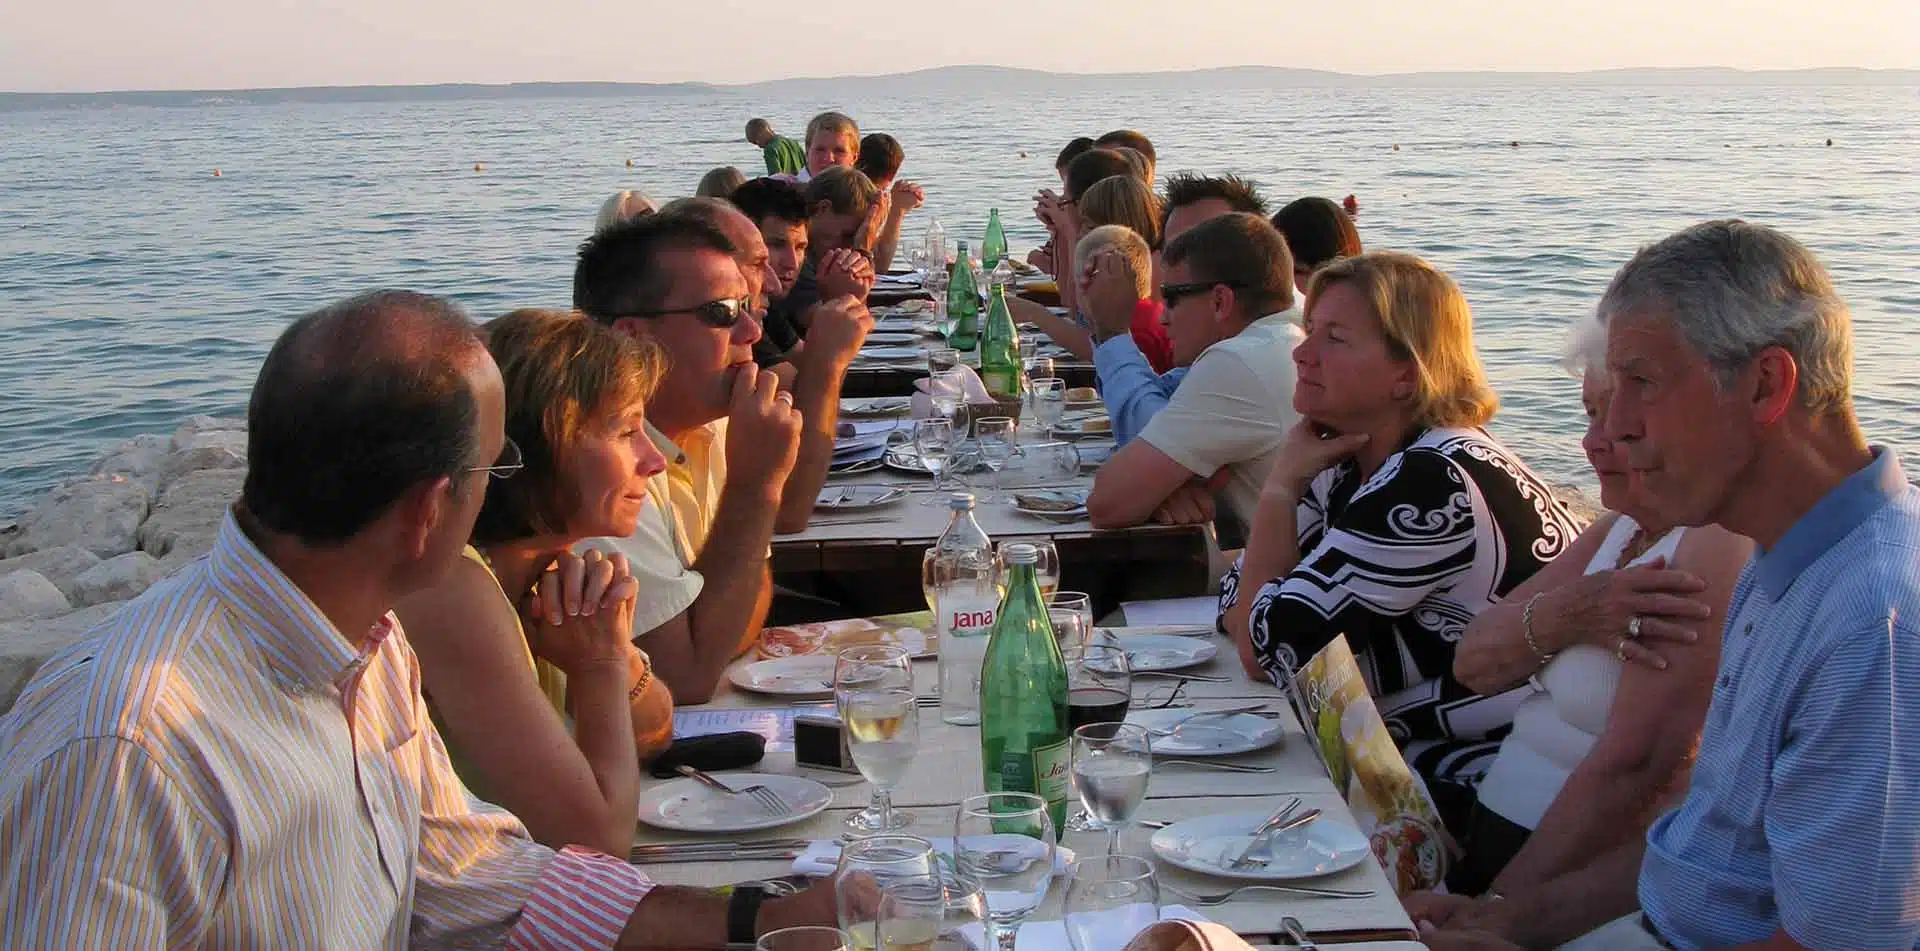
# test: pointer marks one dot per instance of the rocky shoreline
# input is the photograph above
(146, 508)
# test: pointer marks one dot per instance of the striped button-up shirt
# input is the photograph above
(1804, 813)
(218, 767)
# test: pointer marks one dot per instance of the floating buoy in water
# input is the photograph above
(629, 163)
(1351, 204)
(216, 172)
(479, 167)
(1023, 152)
(1396, 146)
(1829, 143)
(1514, 144)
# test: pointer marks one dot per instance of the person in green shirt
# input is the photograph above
(784, 156)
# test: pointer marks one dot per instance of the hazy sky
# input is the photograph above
(75, 45)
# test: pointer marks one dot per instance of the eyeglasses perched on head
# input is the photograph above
(510, 462)
(722, 313)
(1172, 294)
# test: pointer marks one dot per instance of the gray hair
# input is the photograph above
(1130, 245)
(623, 207)
(1732, 289)
(1586, 352)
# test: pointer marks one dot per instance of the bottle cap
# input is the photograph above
(1019, 553)
(960, 501)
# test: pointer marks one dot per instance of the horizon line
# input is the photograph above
(1117, 74)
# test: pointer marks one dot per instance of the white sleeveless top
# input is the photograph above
(1555, 728)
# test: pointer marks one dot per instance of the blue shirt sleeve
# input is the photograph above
(1132, 391)
(1844, 817)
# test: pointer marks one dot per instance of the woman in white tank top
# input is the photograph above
(1619, 638)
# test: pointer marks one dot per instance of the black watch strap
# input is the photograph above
(743, 913)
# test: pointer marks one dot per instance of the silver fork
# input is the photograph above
(1210, 899)
(1263, 842)
(765, 798)
(1183, 722)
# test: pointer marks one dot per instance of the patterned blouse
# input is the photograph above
(1401, 563)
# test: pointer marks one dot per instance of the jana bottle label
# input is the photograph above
(968, 616)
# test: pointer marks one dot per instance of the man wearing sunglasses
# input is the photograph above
(729, 433)
(1227, 284)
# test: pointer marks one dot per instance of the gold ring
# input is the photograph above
(1620, 651)
(1633, 627)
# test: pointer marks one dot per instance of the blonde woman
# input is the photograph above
(522, 636)
(720, 182)
(623, 206)
(1390, 515)
(1126, 202)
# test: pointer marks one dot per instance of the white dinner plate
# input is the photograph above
(1077, 498)
(684, 805)
(809, 675)
(1207, 735)
(891, 354)
(1154, 652)
(857, 496)
(1084, 428)
(1209, 843)
(892, 339)
(875, 406)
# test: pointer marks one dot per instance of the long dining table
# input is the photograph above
(947, 769)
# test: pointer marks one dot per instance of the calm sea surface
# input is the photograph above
(137, 289)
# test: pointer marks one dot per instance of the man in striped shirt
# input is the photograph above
(1731, 356)
(241, 756)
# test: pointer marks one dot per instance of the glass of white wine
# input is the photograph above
(805, 938)
(873, 690)
(867, 869)
(1046, 570)
(1111, 765)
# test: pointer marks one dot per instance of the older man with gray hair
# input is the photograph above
(1731, 354)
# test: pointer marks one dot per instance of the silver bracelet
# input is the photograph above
(1526, 627)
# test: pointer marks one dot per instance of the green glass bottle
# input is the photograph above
(995, 246)
(1000, 348)
(1023, 694)
(963, 303)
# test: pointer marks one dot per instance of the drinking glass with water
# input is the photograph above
(1109, 900)
(1112, 763)
(873, 690)
(933, 441)
(1005, 842)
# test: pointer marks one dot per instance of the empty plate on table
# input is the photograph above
(1203, 735)
(808, 675)
(893, 353)
(875, 406)
(685, 805)
(1209, 845)
(892, 339)
(899, 325)
(1084, 427)
(1152, 652)
(1057, 504)
(857, 496)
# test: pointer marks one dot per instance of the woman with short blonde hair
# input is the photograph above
(1123, 200)
(623, 206)
(522, 635)
(1391, 516)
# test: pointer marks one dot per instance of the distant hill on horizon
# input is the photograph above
(961, 79)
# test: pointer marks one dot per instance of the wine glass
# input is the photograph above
(1111, 765)
(805, 938)
(933, 440)
(1109, 900)
(1099, 687)
(996, 435)
(936, 285)
(873, 690)
(966, 923)
(1069, 631)
(1046, 569)
(1005, 842)
(867, 867)
(947, 391)
(1049, 402)
(941, 359)
(910, 913)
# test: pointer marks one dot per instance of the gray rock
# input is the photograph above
(196, 425)
(209, 449)
(116, 579)
(138, 459)
(25, 645)
(59, 565)
(28, 594)
(102, 515)
(189, 512)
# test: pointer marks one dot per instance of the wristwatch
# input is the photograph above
(743, 913)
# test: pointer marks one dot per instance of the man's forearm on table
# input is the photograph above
(1573, 904)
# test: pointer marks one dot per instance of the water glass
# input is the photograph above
(1004, 841)
(1111, 765)
(947, 392)
(936, 285)
(805, 938)
(933, 441)
(1109, 900)
(873, 691)
(996, 436)
(1049, 396)
(941, 359)
(1052, 463)
(867, 868)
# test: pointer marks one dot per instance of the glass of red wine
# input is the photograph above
(1099, 690)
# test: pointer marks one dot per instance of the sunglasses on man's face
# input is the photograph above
(1173, 294)
(721, 314)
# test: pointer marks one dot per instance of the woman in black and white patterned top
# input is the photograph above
(1392, 517)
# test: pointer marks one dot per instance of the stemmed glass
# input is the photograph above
(996, 435)
(941, 359)
(1099, 687)
(910, 913)
(1109, 900)
(1049, 402)
(881, 862)
(1078, 602)
(1046, 569)
(1111, 765)
(873, 689)
(936, 285)
(933, 440)
(805, 938)
(1004, 841)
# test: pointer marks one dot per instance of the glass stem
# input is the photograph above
(1113, 839)
(883, 801)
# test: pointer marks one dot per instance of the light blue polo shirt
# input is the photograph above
(1804, 812)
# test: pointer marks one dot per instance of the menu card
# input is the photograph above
(1389, 803)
